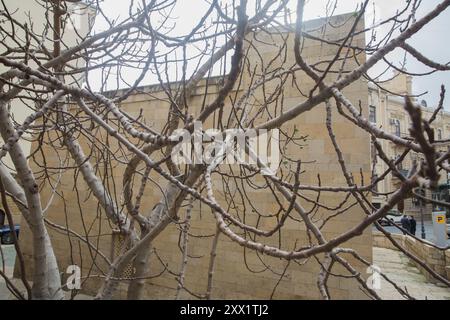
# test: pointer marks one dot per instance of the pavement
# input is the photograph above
(7, 259)
(397, 267)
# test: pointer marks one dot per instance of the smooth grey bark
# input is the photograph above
(46, 277)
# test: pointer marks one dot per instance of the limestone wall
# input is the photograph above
(438, 260)
(239, 273)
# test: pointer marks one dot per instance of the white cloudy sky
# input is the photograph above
(431, 41)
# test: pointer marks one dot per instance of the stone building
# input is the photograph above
(239, 273)
(386, 110)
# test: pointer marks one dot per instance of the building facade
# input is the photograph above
(239, 273)
(386, 110)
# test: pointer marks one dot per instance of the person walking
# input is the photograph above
(2, 217)
(406, 224)
(413, 224)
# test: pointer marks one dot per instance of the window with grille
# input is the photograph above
(397, 130)
(372, 114)
(118, 247)
(375, 184)
(418, 202)
(439, 134)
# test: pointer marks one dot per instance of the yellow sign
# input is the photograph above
(440, 218)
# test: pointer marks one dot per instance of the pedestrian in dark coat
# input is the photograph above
(406, 224)
(2, 217)
(413, 224)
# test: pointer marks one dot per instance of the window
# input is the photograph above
(439, 134)
(436, 195)
(416, 201)
(399, 165)
(396, 124)
(373, 153)
(372, 114)
(119, 244)
(375, 183)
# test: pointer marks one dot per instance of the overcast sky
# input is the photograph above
(432, 41)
